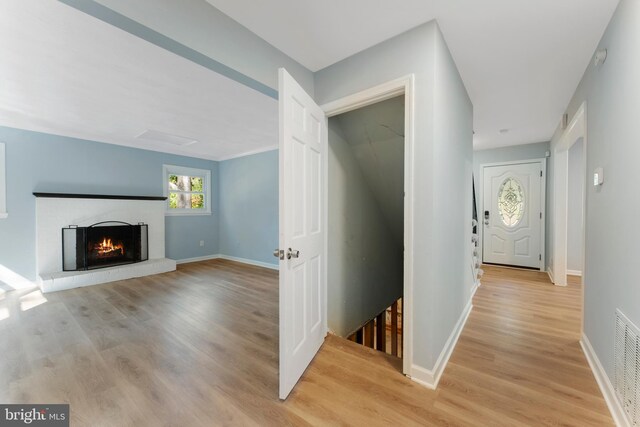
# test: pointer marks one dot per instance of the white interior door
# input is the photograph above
(303, 153)
(512, 214)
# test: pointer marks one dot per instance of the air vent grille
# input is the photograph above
(627, 367)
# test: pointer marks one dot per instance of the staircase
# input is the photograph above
(383, 332)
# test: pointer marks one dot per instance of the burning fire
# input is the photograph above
(108, 248)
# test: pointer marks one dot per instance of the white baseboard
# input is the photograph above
(197, 259)
(617, 412)
(574, 273)
(230, 258)
(475, 288)
(550, 273)
(250, 262)
(431, 377)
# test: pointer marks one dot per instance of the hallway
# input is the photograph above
(518, 362)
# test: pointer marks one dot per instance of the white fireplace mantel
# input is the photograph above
(57, 211)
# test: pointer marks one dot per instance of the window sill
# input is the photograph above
(187, 213)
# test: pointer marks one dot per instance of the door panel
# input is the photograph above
(303, 148)
(512, 200)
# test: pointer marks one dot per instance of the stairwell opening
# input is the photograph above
(366, 218)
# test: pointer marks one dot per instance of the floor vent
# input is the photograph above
(627, 367)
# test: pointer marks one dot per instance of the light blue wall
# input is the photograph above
(364, 257)
(442, 250)
(249, 207)
(510, 154)
(49, 163)
(611, 242)
(450, 266)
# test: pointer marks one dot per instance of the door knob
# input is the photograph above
(278, 253)
(292, 254)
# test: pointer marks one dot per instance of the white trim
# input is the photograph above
(186, 171)
(617, 412)
(197, 259)
(574, 273)
(369, 96)
(543, 206)
(249, 153)
(250, 262)
(229, 258)
(577, 129)
(3, 182)
(404, 85)
(550, 273)
(431, 378)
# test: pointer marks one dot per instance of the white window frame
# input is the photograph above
(3, 183)
(185, 171)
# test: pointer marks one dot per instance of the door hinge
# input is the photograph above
(540, 174)
(540, 257)
(540, 215)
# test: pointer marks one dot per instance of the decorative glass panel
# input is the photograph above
(511, 202)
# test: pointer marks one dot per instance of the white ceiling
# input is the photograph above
(66, 73)
(520, 60)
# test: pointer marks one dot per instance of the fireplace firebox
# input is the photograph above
(105, 244)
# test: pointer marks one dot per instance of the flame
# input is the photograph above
(107, 247)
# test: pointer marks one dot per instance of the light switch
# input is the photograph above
(598, 177)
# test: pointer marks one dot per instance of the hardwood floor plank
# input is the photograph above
(199, 347)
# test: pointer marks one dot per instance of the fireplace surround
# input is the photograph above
(104, 244)
(55, 211)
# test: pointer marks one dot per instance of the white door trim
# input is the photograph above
(576, 130)
(404, 85)
(543, 204)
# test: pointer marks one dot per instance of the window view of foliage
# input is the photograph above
(186, 192)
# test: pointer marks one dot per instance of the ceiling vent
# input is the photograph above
(166, 138)
(627, 367)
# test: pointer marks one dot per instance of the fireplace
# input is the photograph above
(105, 244)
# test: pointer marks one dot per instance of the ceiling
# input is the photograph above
(66, 73)
(520, 60)
(376, 136)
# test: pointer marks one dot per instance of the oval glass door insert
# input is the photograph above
(511, 202)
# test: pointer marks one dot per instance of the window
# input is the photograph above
(511, 202)
(3, 184)
(188, 190)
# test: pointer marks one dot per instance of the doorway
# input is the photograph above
(565, 165)
(512, 214)
(402, 90)
(366, 224)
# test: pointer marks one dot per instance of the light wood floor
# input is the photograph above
(198, 347)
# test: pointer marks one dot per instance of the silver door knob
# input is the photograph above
(278, 253)
(292, 254)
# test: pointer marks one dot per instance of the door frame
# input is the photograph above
(576, 130)
(401, 86)
(543, 204)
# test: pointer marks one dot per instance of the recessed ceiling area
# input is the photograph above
(521, 61)
(67, 73)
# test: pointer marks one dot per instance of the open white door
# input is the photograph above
(303, 153)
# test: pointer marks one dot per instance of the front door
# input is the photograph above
(303, 153)
(512, 214)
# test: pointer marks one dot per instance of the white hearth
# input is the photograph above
(55, 213)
